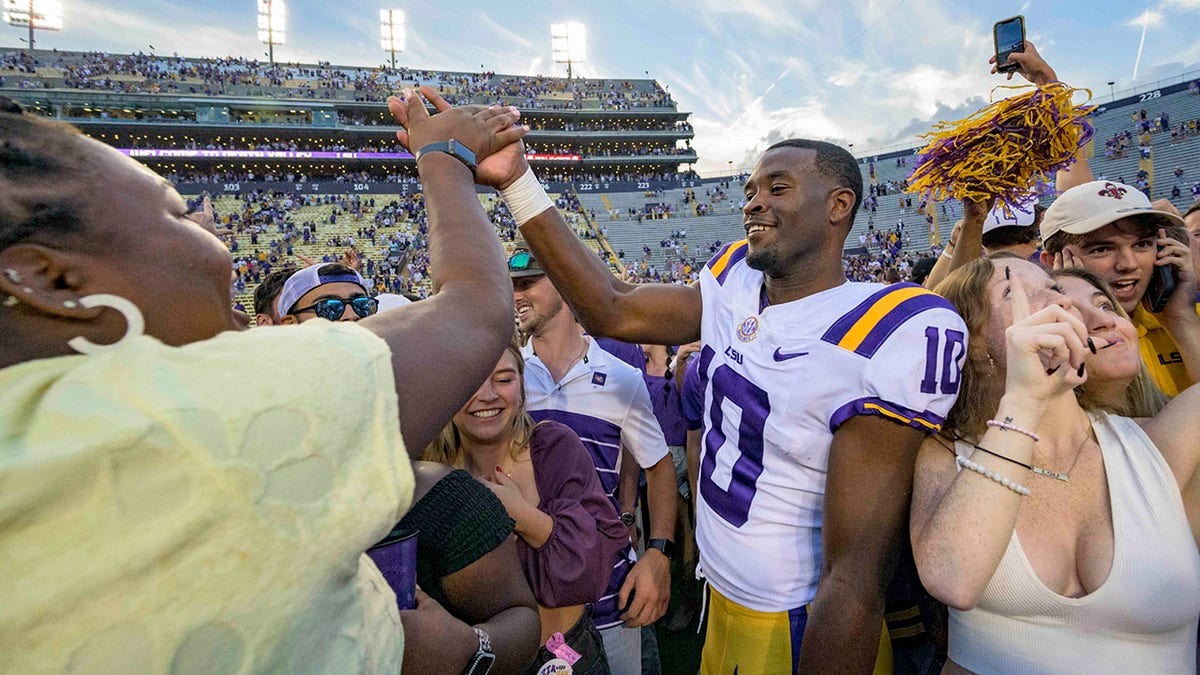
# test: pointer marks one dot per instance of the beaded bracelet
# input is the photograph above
(1007, 425)
(984, 471)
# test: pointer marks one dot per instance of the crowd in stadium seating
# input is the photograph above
(401, 175)
(214, 77)
(293, 146)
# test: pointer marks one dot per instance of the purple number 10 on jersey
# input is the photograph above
(733, 504)
(952, 354)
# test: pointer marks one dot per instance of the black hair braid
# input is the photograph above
(670, 377)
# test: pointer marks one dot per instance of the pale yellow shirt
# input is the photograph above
(202, 509)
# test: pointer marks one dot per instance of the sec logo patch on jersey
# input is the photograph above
(748, 330)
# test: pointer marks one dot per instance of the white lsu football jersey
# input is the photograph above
(779, 381)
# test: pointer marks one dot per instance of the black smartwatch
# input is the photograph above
(629, 519)
(484, 659)
(666, 546)
(453, 148)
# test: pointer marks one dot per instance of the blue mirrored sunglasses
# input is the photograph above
(333, 308)
(519, 262)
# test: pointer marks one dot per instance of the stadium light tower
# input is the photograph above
(569, 42)
(34, 14)
(391, 31)
(272, 25)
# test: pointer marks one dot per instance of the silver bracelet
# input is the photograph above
(984, 471)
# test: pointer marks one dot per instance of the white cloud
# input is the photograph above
(504, 32)
(849, 73)
(109, 28)
(771, 16)
(870, 69)
(717, 141)
(1151, 18)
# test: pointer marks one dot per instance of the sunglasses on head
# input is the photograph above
(520, 261)
(333, 308)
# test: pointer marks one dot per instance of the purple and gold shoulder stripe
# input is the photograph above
(725, 259)
(864, 329)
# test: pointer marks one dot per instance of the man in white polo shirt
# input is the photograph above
(572, 380)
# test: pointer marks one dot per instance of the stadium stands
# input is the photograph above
(235, 127)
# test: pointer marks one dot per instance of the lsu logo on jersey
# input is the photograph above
(864, 329)
(748, 330)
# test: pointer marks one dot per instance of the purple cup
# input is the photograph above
(396, 558)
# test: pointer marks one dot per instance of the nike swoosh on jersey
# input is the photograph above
(781, 356)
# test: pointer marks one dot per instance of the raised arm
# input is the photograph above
(966, 242)
(1037, 71)
(942, 267)
(661, 314)
(468, 322)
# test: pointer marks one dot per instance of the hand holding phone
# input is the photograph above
(1009, 37)
(1162, 285)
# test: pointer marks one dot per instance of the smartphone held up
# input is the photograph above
(1162, 285)
(1009, 36)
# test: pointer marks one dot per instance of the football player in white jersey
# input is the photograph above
(818, 394)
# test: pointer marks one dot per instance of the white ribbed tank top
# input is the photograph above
(1142, 619)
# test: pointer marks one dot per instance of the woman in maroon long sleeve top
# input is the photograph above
(569, 534)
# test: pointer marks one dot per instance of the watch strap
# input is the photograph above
(451, 147)
(665, 546)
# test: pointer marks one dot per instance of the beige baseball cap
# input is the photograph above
(1089, 207)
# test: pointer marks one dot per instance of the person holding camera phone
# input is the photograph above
(1113, 231)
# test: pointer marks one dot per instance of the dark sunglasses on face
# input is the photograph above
(519, 262)
(333, 308)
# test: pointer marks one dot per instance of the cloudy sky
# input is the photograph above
(869, 72)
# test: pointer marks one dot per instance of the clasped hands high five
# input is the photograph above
(492, 133)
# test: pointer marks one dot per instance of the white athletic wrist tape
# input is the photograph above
(525, 198)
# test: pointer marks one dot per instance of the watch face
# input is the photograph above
(482, 663)
(628, 518)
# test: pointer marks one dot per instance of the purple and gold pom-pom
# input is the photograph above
(1005, 149)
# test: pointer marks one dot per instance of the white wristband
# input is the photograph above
(946, 253)
(525, 198)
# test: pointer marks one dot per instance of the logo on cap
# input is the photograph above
(1113, 191)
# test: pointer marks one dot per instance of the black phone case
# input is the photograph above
(1009, 66)
(1158, 292)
